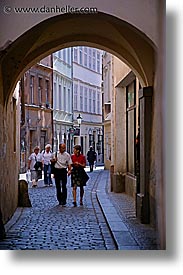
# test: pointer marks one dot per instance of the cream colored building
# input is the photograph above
(62, 98)
(87, 98)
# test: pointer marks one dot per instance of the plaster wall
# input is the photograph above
(10, 19)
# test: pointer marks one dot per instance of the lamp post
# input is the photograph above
(99, 145)
(79, 119)
(90, 132)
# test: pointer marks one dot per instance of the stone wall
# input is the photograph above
(9, 157)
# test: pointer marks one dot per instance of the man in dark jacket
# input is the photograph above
(91, 157)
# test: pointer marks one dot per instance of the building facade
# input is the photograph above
(62, 98)
(127, 124)
(87, 98)
(36, 109)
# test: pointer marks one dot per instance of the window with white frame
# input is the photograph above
(68, 100)
(80, 56)
(65, 100)
(94, 101)
(90, 58)
(81, 98)
(75, 96)
(94, 60)
(76, 54)
(98, 102)
(90, 100)
(59, 97)
(98, 62)
(85, 60)
(69, 55)
(131, 126)
(64, 55)
(85, 56)
(85, 99)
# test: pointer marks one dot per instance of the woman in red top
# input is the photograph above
(78, 176)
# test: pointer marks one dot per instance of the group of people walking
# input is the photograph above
(61, 164)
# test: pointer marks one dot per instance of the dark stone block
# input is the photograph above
(118, 183)
(23, 195)
(143, 209)
(2, 230)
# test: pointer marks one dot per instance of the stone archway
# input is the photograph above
(97, 30)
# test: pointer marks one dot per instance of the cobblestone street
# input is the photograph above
(47, 225)
(106, 221)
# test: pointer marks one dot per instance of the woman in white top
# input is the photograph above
(35, 165)
(47, 156)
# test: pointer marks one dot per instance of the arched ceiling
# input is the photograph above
(96, 30)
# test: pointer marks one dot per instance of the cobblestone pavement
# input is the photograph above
(49, 226)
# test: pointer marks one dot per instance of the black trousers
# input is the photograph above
(91, 164)
(61, 182)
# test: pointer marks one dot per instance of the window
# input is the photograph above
(94, 101)
(85, 99)
(94, 59)
(85, 60)
(90, 61)
(39, 91)
(64, 55)
(47, 84)
(59, 97)
(90, 100)
(31, 90)
(65, 101)
(98, 103)
(69, 56)
(98, 62)
(131, 126)
(76, 54)
(90, 58)
(75, 96)
(80, 56)
(68, 100)
(81, 98)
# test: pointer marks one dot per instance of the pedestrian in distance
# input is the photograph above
(62, 168)
(78, 176)
(91, 157)
(35, 165)
(47, 156)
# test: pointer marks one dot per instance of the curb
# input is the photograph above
(121, 235)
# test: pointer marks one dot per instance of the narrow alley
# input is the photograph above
(106, 221)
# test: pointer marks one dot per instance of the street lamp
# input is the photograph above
(79, 119)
